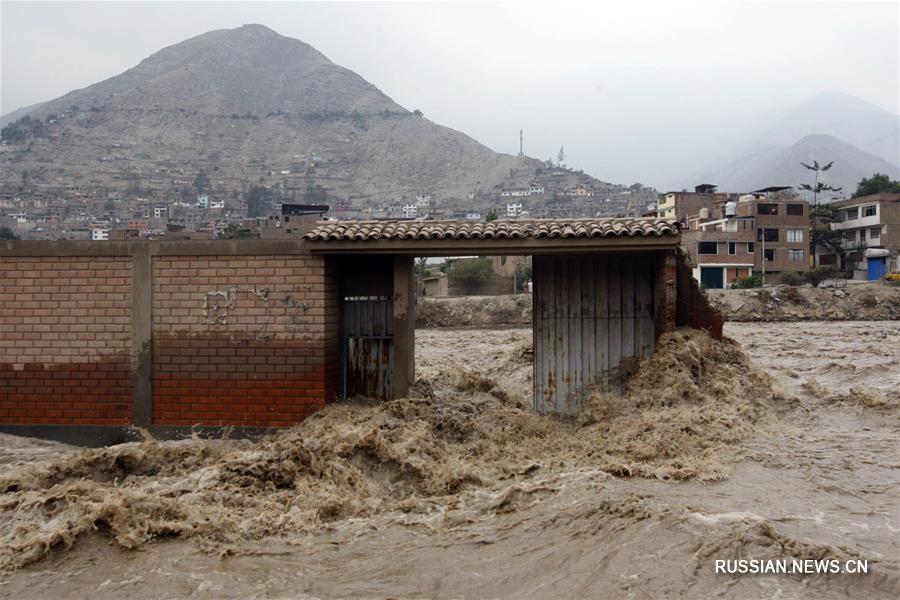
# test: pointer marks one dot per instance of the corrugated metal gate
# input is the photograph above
(593, 322)
(368, 345)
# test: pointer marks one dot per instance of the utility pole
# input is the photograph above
(521, 142)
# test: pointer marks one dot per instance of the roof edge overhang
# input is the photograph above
(470, 247)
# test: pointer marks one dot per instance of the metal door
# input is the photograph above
(368, 346)
(593, 322)
(712, 277)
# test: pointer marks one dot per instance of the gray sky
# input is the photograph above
(629, 88)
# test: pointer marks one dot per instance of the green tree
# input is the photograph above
(259, 201)
(827, 238)
(491, 216)
(8, 234)
(234, 231)
(471, 273)
(876, 184)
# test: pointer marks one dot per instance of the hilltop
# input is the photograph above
(249, 106)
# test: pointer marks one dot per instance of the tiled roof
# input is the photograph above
(462, 230)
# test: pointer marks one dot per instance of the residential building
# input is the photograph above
(99, 234)
(871, 236)
(513, 210)
(722, 246)
(782, 228)
(410, 211)
(765, 231)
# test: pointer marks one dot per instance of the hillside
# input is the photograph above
(780, 165)
(245, 105)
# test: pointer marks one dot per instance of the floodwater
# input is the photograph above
(464, 494)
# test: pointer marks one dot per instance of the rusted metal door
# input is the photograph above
(593, 322)
(368, 344)
(367, 326)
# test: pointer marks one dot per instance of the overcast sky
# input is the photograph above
(624, 86)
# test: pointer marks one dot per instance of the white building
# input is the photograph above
(513, 210)
(473, 216)
(160, 211)
(216, 203)
(515, 193)
(202, 201)
(99, 235)
(423, 199)
(536, 189)
(410, 211)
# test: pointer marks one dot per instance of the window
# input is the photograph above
(870, 211)
(749, 247)
(795, 255)
(795, 235)
(795, 209)
(852, 213)
(766, 209)
(732, 248)
(770, 255)
(771, 235)
(862, 235)
(708, 248)
(875, 233)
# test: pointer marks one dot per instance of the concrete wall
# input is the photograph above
(164, 335)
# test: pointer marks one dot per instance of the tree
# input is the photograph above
(234, 231)
(8, 234)
(876, 184)
(816, 188)
(491, 216)
(418, 113)
(561, 156)
(830, 239)
(472, 272)
(259, 201)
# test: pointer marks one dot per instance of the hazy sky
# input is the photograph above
(622, 85)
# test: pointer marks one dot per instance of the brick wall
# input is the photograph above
(242, 340)
(65, 340)
(142, 337)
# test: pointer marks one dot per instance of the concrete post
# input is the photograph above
(404, 325)
(141, 334)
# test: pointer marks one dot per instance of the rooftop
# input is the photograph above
(524, 236)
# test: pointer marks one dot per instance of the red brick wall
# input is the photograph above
(65, 340)
(242, 340)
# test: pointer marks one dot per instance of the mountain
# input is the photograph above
(780, 165)
(242, 105)
(848, 118)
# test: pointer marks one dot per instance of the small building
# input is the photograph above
(99, 234)
(513, 210)
(871, 236)
(258, 333)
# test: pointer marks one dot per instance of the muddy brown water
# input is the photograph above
(824, 481)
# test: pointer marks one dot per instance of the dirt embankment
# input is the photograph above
(474, 311)
(853, 302)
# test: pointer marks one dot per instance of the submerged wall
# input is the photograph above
(163, 336)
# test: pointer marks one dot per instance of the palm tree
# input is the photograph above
(816, 188)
